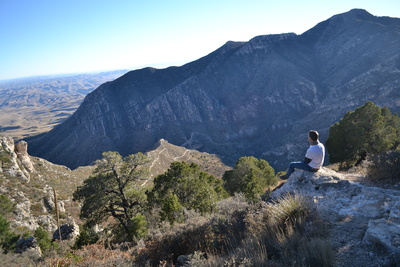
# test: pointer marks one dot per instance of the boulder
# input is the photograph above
(383, 234)
(69, 231)
(21, 149)
(29, 247)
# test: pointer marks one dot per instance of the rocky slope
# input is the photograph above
(164, 153)
(30, 181)
(253, 98)
(364, 220)
(30, 106)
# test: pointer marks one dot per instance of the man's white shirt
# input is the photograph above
(317, 154)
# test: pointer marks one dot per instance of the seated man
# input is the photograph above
(314, 158)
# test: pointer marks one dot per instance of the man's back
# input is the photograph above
(317, 154)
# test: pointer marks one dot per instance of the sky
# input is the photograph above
(44, 37)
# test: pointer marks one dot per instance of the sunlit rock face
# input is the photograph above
(15, 161)
(254, 98)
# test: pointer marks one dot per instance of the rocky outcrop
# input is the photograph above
(29, 247)
(15, 160)
(48, 201)
(21, 149)
(30, 211)
(364, 220)
(256, 98)
(69, 231)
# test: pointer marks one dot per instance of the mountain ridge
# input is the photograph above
(255, 98)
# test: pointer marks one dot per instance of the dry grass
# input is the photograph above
(283, 233)
(384, 168)
(92, 256)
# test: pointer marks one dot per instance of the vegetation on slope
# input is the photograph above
(186, 215)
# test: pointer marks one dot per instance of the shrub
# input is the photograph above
(216, 235)
(250, 177)
(172, 210)
(279, 242)
(87, 236)
(44, 241)
(185, 185)
(8, 239)
(368, 129)
(291, 209)
(384, 167)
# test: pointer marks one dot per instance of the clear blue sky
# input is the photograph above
(40, 37)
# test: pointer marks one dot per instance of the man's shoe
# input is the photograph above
(283, 177)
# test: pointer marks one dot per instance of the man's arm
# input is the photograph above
(306, 160)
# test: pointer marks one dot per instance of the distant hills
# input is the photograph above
(246, 98)
(29, 106)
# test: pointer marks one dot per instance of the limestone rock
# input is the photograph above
(21, 149)
(69, 231)
(364, 219)
(48, 200)
(9, 162)
(23, 216)
(47, 222)
(29, 247)
(383, 233)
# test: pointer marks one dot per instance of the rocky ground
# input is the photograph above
(364, 220)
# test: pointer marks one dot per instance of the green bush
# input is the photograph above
(172, 210)
(250, 176)
(44, 241)
(367, 130)
(185, 185)
(87, 236)
(385, 167)
(139, 226)
(8, 239)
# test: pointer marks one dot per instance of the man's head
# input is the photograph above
(313, 135)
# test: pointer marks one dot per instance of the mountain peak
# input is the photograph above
(243, 99)
(353, 15)
(358, 12)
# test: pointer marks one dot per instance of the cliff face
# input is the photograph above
(254, 98)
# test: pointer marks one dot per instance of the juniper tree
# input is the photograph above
(114, 191)
(367, 130)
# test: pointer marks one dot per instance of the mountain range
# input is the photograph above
(257, 98)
